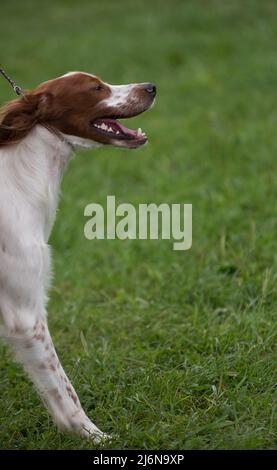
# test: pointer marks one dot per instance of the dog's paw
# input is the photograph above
(97, 436)
(88, 430)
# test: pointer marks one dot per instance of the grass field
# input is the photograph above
(169, 350)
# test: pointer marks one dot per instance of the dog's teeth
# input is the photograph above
(110, 129)
(139, 131)
(117, 132)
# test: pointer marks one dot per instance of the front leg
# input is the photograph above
(35, 350)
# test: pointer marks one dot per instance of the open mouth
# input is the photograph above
(115, 131)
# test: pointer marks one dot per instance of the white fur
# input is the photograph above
(30, 175)
(120, 94)
(80, 142)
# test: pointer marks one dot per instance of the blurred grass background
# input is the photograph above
(169, 350)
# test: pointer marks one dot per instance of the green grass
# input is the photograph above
(166, 349)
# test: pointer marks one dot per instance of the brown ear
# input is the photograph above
(20, 116)
(44, 105)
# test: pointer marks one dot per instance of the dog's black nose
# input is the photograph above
(150, 88)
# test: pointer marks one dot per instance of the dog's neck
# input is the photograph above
(71, 141)
(31, 172)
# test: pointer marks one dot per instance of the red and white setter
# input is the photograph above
(38, 133)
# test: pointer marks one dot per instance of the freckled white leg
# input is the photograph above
(35, 350)
(24, 279)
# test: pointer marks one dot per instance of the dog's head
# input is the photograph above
(83, 108)
(82, 105)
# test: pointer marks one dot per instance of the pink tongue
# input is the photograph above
(117, 126)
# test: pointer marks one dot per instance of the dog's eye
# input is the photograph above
(98, 87)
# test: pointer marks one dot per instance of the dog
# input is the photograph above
(39, 132)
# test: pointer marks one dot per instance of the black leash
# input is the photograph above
(15, 87)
